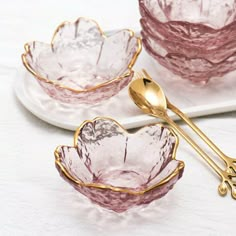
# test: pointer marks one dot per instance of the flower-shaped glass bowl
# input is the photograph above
(119, 170)
(82, 64)
(196, 69)
(206, 24)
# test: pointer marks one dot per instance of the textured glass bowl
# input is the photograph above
(196, 69)
(213, 54)
(207, 24)
(193, 39)
(119, 170)
(82, 64)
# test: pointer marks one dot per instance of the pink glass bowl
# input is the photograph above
(196, 69)
(207, 24)
(213, 54)
(193, 39)
(82, 64)
(119, 170)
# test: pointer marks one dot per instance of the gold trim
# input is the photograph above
(118, 189)
(39, 77)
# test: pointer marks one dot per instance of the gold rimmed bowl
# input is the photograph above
(119, 170)
(82, 64)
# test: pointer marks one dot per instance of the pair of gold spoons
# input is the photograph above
(150, 98)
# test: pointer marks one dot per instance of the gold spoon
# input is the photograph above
(150, 98)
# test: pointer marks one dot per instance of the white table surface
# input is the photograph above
(34, 200)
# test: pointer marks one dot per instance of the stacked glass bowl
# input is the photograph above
(194, 39)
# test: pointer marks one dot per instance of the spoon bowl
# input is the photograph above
(148, 95)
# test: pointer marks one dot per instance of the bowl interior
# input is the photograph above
(108, 155)
(81, 57)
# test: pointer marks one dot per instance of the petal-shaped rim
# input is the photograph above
(129, 67)
(118, 189)
(207, 27)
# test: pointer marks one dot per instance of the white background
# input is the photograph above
(34, 200)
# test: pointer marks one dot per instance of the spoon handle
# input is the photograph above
(198, 132)
(205, 156)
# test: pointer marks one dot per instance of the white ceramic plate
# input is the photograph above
(218, 96)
